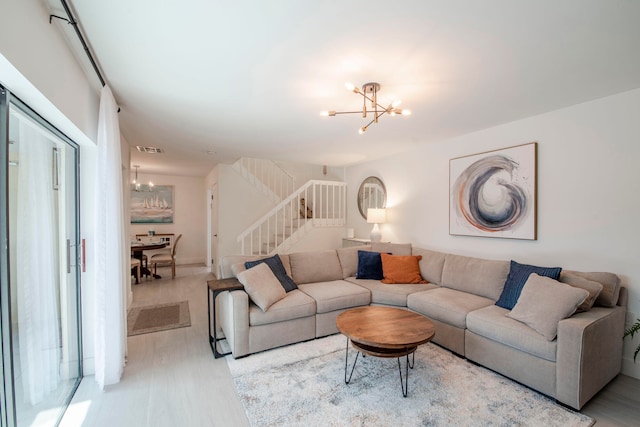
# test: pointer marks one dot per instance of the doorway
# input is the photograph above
(40, 280)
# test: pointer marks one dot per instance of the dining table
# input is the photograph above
(137, 251)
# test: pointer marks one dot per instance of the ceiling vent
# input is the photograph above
(150, 150)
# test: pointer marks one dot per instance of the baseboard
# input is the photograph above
(192, 260)
(630, 368)
(88, 366)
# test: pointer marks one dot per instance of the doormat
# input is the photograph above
(159, 317)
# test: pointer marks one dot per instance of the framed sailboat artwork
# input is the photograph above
(152, 205)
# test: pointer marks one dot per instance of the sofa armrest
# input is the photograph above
(589, 353)
(234, 317)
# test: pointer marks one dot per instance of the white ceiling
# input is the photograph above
(249, 78)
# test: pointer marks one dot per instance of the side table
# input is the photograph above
(214, 287)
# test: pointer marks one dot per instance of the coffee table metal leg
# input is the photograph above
(405, 384)
(346, 364)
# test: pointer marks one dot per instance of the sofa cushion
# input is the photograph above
(392, 248)
(275, 264)
(493, 323)
(315, 266)
(477, 276)
(336, 295)
(430, 265)
(349, 259)
(610, 286)
(401, 269)
(447, 305)
(369, 265)
(262, 285)
(544, 302)
(395, 295)
(296, 304)
(518, 275)
(594, 289)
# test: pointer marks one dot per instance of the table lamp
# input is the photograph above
(375, 217)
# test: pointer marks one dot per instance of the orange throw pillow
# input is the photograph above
(401, 269)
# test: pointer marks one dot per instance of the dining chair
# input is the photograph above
(137, 265)
(166, 259)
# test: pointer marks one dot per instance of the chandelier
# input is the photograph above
(369, 93)
(135, 184)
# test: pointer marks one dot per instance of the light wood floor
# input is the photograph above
(172, 379)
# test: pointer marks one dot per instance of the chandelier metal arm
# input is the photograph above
(375, 119)
(372, 101)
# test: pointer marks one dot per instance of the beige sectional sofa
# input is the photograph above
(459, 298)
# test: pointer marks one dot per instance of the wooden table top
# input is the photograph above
(385, 327)
(139, 247)
(220, 285)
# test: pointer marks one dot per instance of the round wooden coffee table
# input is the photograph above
(384, 332)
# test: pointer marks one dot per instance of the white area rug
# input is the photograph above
(303, 385)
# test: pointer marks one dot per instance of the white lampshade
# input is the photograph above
(376, 216)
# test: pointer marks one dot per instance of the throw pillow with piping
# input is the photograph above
(401, 269)
(275, 264)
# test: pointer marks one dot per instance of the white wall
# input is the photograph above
(317, 239)
(240, 204)
(190, 216)
(588, 193)
(39, 52)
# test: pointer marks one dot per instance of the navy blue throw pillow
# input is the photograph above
(275, 264)
(518, 275)
(369, 266)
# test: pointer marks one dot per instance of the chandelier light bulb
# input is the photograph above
(362, 130)
(406, 112)
(350, 87)
(395, 103)
(324, 113)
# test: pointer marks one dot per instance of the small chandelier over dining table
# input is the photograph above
(369, 93)
(135, 184)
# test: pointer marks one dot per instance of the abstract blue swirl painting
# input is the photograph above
(493, 194)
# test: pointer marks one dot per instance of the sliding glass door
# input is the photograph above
(41, 340)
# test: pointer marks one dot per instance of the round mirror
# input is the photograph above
(371, 194)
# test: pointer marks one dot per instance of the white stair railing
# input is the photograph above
(268, 176)
(315, 204)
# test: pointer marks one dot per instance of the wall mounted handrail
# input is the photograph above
(267, 175)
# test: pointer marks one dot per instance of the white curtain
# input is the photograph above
(37, 269)
(110, 334)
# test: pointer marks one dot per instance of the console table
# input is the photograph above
(348, 242)
(215, 287)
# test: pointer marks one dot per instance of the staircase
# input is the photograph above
(266, 175)
(315, 204)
